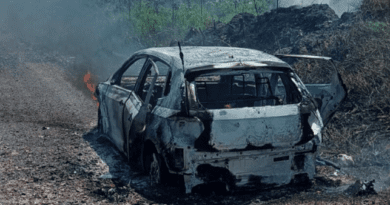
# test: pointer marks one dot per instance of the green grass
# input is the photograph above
(157, 27)
(376, 26)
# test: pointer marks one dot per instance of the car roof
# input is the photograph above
(205, 56)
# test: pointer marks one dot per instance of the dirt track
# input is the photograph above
(51, 153)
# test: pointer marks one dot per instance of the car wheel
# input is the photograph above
(155, 172)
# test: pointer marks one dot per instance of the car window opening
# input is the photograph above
(236, 90)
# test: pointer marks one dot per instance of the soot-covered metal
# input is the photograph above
(242, 121)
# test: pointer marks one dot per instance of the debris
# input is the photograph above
(345, 159)
(321, 161)
(45, 128)
(327, 181)
(361, 188)
(111, 191)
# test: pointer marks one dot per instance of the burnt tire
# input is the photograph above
(155, 172)
(155, 167)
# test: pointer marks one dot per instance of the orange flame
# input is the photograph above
(90, 85)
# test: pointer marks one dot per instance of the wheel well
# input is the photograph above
(149, 147)
(148, 150)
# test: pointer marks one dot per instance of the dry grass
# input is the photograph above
(376, 8)
(365, 71)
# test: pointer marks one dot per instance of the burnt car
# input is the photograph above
(216, 114)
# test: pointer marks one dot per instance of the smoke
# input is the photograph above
(96, 37)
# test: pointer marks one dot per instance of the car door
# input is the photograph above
(116, 99)
(328, 96)
(138, 108)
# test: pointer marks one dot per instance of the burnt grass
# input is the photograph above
(48, 135)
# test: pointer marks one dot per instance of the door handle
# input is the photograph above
(121, 102)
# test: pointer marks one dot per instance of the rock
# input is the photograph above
(361, 188)
(14, 153)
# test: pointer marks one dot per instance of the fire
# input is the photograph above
(90, 85)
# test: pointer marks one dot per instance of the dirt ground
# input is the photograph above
(51, 152)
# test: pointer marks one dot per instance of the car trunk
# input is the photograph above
(250, 109)
(241, 128)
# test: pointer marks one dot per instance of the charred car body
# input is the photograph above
(223, 114)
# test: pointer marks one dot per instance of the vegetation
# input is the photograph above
(365, 116)
(376, 26)
(155, 25)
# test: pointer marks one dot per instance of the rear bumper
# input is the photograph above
(249, 168)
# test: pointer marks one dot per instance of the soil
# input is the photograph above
(52, 153)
